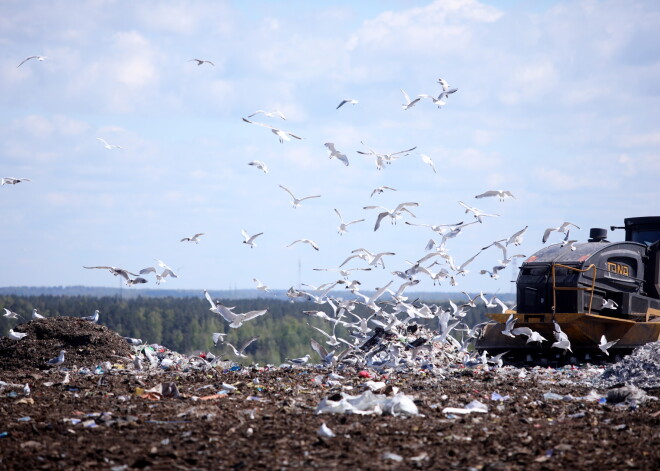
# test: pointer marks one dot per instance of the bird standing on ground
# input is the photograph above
(36, 315)
(93, 318)
(58, 360)
(16, 335)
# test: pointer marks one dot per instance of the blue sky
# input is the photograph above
(557, 102)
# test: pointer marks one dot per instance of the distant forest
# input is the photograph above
(185, 324)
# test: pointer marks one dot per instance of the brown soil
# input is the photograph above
(271, 423)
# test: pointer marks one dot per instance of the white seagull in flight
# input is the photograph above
(269, 114)
(408, 104)
(478, 214)
(501, 194)
(108, 146)
(280, 133)
(260, 165)
(39, 58)
(335, 153)
(296, 201)
(427, 160)
(348, 100)
(201, 61)
(249, 239)
(306, 241)
(13, 180)
(194, 238)
(564, 228)
(343, 226)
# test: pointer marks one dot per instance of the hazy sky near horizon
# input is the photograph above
(557, 101)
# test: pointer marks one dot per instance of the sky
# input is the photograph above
(557, 102)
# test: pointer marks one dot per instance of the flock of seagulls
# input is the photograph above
(391, 313)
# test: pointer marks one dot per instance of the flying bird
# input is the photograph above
(343, 226)
(436, 101)
(296, 201)
(348, 100)
(240, 352)
(306, 241)
(261, 286)
(280, 133)
(381, 189)
(604, 345)
(39, 58)
(249, 239)
(446, 89)
(269, 114)
(609, 304)
(11, 314)
(194, 238)
(501, 194)
(427, 160)
(260, 165)
(394, 214)
(564, 228)
(517, 237)
(108, 146)
(201, 61)
(335, 153)
(409, 103)
(383, 159)
(478, 214)
(509, 326)
(218, 337)
(236, 320)
(13, 180)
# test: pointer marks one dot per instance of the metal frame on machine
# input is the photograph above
(556, 288)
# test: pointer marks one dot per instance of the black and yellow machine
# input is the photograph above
(587, 290)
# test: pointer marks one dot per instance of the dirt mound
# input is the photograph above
(86, 344)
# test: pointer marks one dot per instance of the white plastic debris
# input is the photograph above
(368, 403)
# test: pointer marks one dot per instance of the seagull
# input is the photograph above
(335, 153)
(436, 101)
(326, 357)
(394, 214)
(241, 351)
(370, 258)
(36, 315)
(260, 165)
(296, 201)
(381, 189)
(609, 304)
(532, 335)
(133, 341)
(508, 326)
(58, 360)
(501, 194)
(218, 337)
(517, 238)
(136, 281)
(562, 339)
(349, 101)
(408, 104)
(324, 431)
(235, 319)
(382, 159)
(269, 114)
(281, 134)
(11, 314)
(115, 271)
(505, 258)
(108, 146)
(306, 241)
(427, 160)
(249, 239)
(494, 272)
(13, 180)
(201, 61)
(604, 345)
(343, 226)
(93, 318)
(478, 214)
(16, 335)
(570, 244)
(446, 90)
(564, 228)
(461, 269)
(194, 238)
(167, 271)
(299, 361)
(261, 286)
(39, 58)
